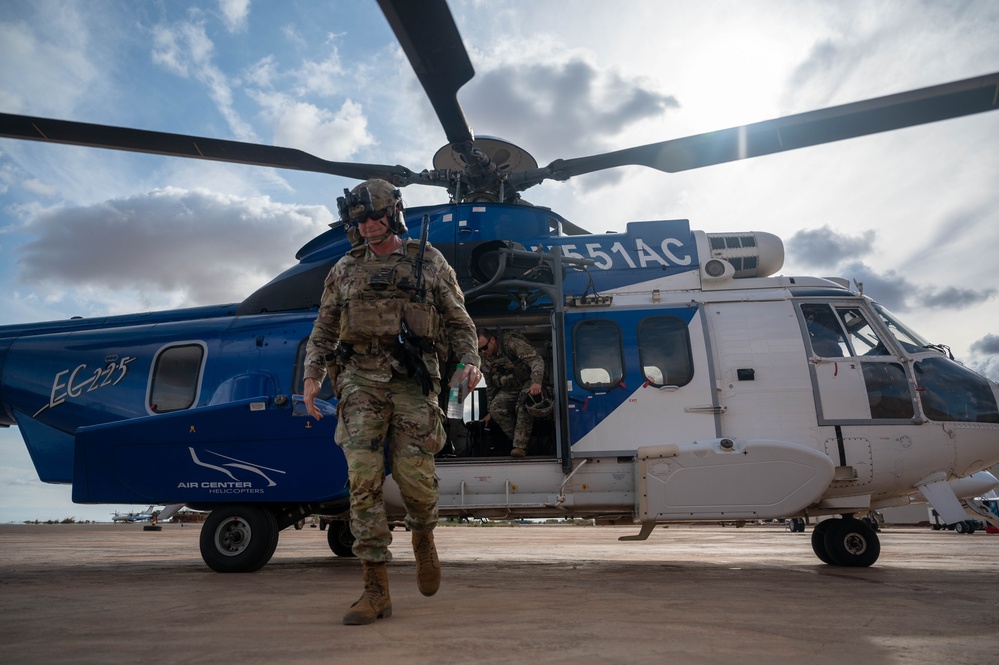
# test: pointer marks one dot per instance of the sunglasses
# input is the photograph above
(372, 216)
(484, 346)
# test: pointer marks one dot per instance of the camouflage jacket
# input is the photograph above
(359, 286)
(515, 364)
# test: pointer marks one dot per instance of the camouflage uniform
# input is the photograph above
(380, 406)
(513, 368)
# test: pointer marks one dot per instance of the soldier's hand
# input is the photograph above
(309, 393)
(535, 389)
(471, 373)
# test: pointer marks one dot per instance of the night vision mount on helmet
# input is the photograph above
(368, 200)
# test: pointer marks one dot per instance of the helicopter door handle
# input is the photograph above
(714, 410)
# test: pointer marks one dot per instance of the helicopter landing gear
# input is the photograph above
(340, 539)
(846, 542)
(796, 525)
(238, 538)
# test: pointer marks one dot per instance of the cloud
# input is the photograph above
(235, 14)
(896, 292)
(987, 345)
(951, 297)
(984, 357)
(55, 63)
(824, 247)
(561, 109)
(186, 247)
(186, 50)
(316, 130)
(840, 254)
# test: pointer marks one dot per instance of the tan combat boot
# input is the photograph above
(374, 603)
(428, 566)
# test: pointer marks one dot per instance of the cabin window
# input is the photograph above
(664, 351)
(325, 392)
(176, 377)
(598, 354)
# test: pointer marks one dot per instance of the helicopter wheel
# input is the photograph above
(819, 541)
(850, 542)
(340, 539)
(964, 527)
(238, 539)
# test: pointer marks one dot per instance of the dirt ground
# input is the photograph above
(524, 594)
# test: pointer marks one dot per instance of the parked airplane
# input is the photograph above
(131, 517)
(690, 381)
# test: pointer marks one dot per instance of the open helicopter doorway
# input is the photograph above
(475, 436)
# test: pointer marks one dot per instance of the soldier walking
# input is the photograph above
(385, 306)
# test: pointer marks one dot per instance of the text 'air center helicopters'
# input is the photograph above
(689, 383)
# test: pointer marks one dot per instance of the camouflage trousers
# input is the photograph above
(508, 410)
(393, 420)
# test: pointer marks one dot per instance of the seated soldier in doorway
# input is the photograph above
(510, 366)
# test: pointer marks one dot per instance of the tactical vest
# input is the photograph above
(380, 295)
(505, 372)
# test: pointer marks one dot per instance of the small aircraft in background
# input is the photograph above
(146, 516)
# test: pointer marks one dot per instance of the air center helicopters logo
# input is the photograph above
(234, 485)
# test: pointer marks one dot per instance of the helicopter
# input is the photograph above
(744, 395)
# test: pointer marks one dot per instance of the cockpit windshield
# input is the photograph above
(909, 340)
(947, 390)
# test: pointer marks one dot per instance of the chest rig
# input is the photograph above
(380, 297)
(506, 372)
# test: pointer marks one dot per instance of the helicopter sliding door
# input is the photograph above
(762, 383)
(637, 377)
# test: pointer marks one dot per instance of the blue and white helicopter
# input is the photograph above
(689, 382)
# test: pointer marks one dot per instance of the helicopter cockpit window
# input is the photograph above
(909, 340)
(298, 383)
(664, 350)
(950, 392)
(860, 335)
(888, 391)
(824, 331)
(598, 354)
(176, 378)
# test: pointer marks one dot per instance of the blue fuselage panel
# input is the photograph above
(246, 451)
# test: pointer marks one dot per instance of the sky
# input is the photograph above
(911, 214)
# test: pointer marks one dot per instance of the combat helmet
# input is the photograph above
(371, 196)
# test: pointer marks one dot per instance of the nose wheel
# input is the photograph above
(846, 542)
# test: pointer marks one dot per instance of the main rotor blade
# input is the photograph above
(916, 107)
(429, 37)
(179, 145)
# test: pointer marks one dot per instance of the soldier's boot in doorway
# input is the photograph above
(428, 566)
(374, 602)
